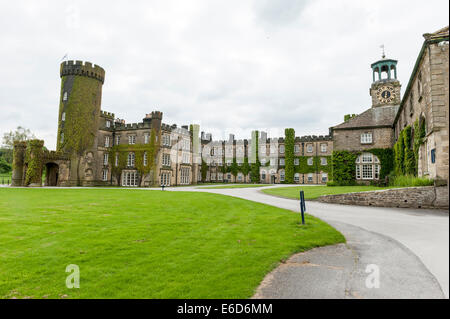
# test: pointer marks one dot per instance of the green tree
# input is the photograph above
(20, 134)
(5, 167)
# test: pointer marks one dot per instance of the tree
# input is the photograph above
(19, 135)
(5, 167)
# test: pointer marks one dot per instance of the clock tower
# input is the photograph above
(385, 89)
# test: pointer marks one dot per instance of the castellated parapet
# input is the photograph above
(83, 69)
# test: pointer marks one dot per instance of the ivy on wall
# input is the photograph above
(316, 167)
(406, 150)
(343, 165)
(254, 167)
(34, 162)
(289, 155)
(122, 151)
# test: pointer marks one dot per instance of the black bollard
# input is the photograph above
(302, 206)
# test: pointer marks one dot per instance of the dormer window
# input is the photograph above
(65, 96)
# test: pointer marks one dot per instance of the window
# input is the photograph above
(146, 138)
(323, 161)
(366, 138)
(297, 178)
(262, 150)
(282, 175)
(166, 140)
(106, 141)
(228, 162)
(281, 149)
(419, 84)
(213, 176)
(324, 177)
(166, 159)
(108, 123)
(105, 159)
(220, 176)
(63, 116)
(65, 96)
(186, 158)
(229, 176)
(240, 177)
(105, 175)
(309, 148)
(411, 105)
(296, 148)
(433, 156)
(131, 139)
(296, 161)
(310, 161)
(61, 140)
(117, 139)
(239, 162)
(131, 159)
(145, 159)
(367, 167)
(116, 162)
(323, 148)
(165, 179)
(263, 175)
(263, 162)
(272, 161)
(184, 178)
(282, 161)
(310, 177)
(130, 179)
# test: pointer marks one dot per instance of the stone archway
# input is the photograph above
(52, 174)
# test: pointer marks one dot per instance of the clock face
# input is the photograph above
(386, 94)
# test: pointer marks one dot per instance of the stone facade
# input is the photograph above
(412, 197)
(426, 100)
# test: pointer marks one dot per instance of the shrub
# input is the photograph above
(410, 181)
(5, 167)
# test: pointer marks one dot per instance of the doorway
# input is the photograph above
(52, 171)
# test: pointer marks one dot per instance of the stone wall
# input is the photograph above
(411, 197)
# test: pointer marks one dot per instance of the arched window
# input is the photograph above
(367, 167)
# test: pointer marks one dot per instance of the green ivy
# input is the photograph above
(289, 155)
(34, 162)
(139, 150)
(254, 167)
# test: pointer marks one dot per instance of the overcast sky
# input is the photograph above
(231, 66)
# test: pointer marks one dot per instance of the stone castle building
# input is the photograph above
(95, 148)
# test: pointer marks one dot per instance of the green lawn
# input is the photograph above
(313, 192)
(235, 186)
(144, 244)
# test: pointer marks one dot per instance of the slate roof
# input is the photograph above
(382, 116)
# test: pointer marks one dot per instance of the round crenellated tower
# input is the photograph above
(79, 107)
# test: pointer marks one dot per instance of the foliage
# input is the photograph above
(153, 245)
(386, 157)
(234, 168)
(410, 181)
(347, 117)
(122, 150)
(419, 135)
(21, 134)
(34, 162)
(409, 161)
(343, 167)
(254, 167)
(245, 168)
(289, 155)
(204, 170)
(5, 167)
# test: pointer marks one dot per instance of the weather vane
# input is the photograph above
(383, 54)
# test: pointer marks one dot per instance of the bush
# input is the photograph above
(5, 167)
(342, 183)
(410, 181)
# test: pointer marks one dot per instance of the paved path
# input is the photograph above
(416, 241)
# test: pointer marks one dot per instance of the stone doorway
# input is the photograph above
(52, 172)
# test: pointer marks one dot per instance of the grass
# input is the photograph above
(144, 244)
(313, 192)
(411, 181)
(235, 186)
